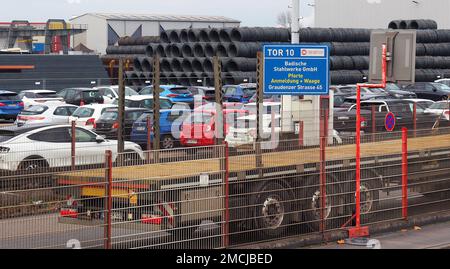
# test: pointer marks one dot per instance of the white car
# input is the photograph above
(243, 130)
(32, 147)
(111, 93)
(445, 81)
(438, 108)
(46, 114)
(37, 97)
(87, 115)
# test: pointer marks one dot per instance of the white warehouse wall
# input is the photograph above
(377, 14)
(96, 37)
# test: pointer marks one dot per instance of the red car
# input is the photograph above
(199, 130)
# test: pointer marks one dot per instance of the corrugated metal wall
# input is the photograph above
(53, 72)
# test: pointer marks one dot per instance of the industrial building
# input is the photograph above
(106, 29)
(375, 14)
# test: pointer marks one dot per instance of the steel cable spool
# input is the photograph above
(147, 65)
(394, 25)
(134, 78)
(208, 78)
(165, 65)
(403, 24)
(150, 50)
(186, 64)
(234, 78)
(173, 78)
(211, 49)
(422, 24)
(164, 37)
(125, 41)
(427, 36)
(194, 78)
(175, 64)
(184, 79)
(193, 35)
(241, 49)
(443, 36)
(163, 77)
(239, 64)
(184, 38)
(347, 63)
(224, 35)
(137, 64)
(420, 49)
(197, 65)
(161, 50)
(176, 50)
(142, 78)
(187, 51)
(168, 50)
(174, 36)
(128, 75)
(214, 35)
(222, 50)
(199, 49)
(361, 62)
(203, 35)
(336, 63)
(336, 35)
(208, 65)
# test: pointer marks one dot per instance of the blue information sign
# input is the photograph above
(296, 70)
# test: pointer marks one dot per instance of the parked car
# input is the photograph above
(108, 123)
(142, 101)
(200, 128)
(46, 114)
(239, 93)
(421, 104)
(87, 115)
(392, 90)
(32, 147)
(111, 93)
(430, 90)
(266, 98)
(170, 126)
(10, 105)
(37, 97)
(438, 108)
(208, 93)
(81, 96)
(445, 81)
(175, 93)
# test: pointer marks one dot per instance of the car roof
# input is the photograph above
(143, 97)
(419, 100)
(7, 92)
(98, 106)
(39, 91)
(82, 89)
(18, 130)
(130, 109)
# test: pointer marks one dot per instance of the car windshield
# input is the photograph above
(249, 91)
(35, 110)
(46, 95)
(441, 86)
(91, 94)
(425, 104)
(440, 105)
(109, 116)
(180, 91)
(144, 116)
(83, 112)
(377, 91)
(400, 108)
(130, 92)
(9, 97)
(392, 87)
(6, 137)
(146, 91)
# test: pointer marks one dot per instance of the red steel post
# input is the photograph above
(374, 124)
(405, 173)
(323, 143)
(301, 134)
(109, 201)
(73, 150)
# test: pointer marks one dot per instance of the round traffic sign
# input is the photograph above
(390, 122)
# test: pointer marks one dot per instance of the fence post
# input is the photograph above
(301, 136)
(415, 119)
(108, 174)
(226, 227)
(374, 124)
(74, 140)
(405, 173)
(323, 143)
(149, 138)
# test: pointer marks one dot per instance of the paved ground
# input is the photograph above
(5, 123)
(435, 236)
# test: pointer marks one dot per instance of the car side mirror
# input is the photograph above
(100, 139)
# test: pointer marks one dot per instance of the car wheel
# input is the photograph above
(33, 166)
(168, 142)
(444, 98)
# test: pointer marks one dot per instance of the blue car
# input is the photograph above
(239, 93)
(169, 117)
(10, 105)
(176, 94)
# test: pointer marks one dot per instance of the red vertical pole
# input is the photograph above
(73, 144)
(108, 230)
(301, 134)
(358, 155)
(226, 231)
(405, 173)
(415, 119)
(149, 138)
(374, 124)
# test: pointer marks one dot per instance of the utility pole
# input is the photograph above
(156, 106)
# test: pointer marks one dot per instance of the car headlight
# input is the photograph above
(398, 95)
(4, 150)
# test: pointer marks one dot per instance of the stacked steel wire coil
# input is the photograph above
(186, 55)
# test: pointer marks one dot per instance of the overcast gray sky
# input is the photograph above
(250, 12)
